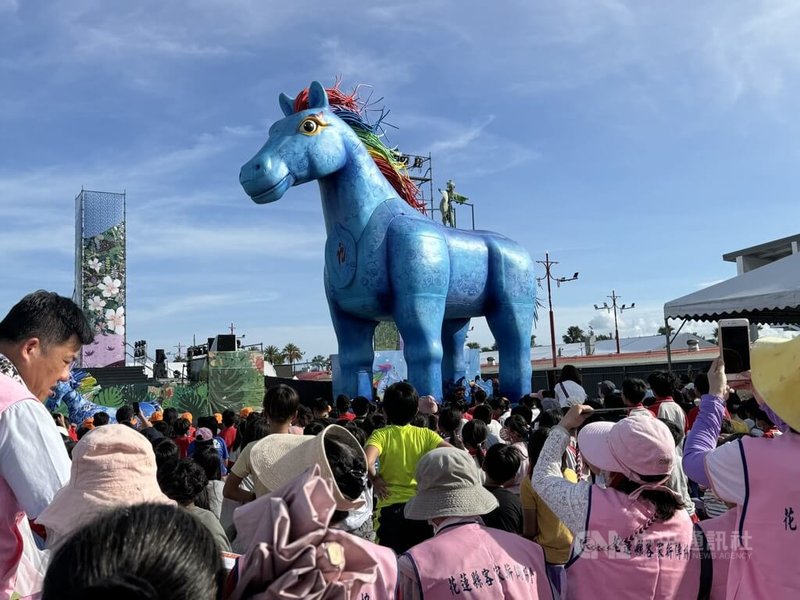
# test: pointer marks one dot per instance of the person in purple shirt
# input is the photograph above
(760, 476)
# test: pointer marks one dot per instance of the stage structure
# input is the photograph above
(100, 274)
(384, 259)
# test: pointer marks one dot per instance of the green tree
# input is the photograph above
(603, 336)
(714, 337)
(574, 334)
(318, 362)
(273, 354)
(666, 330)
(292, 353)
(474, 345)
(386, 337)
(486, 349)
(533, 341)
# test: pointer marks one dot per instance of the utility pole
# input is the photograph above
(616, 308)
(179, 346)
(548, 275)
(232, 328)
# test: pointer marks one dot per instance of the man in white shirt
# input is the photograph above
(40, 339)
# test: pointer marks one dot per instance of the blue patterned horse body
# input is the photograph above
(79, 407)
(384, 260)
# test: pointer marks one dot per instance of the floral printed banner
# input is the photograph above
(235, 379)
(102, 277)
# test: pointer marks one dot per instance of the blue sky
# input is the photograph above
(636, 142)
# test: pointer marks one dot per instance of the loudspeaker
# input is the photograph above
(226, 343)
(161, 357)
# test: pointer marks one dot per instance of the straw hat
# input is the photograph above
(449, 485)
(775, 373)
(279, 458)
(112, 466)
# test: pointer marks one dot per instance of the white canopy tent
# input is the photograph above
(769, 295)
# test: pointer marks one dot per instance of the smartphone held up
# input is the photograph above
(734, 344)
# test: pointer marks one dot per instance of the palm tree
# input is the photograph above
(292, 353)
(666, 330)
(273, 354)
(318, 362)
(474, 345)
(533, 341)
(574, 334)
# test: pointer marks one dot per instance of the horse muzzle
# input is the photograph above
(262, 184)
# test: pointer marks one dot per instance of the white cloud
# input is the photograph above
(462, 138)
(479, 145)
(156, 308)
(361, 65)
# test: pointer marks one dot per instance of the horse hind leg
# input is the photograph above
(454, 334)
(511, 326)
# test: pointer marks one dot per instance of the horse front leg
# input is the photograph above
(419, 320)
(354, 336)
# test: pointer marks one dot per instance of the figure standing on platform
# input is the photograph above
(449, 195)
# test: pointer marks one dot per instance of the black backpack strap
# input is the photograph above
(706, 564)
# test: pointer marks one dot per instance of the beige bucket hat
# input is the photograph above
(449, 485)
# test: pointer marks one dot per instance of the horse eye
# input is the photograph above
(309, 126)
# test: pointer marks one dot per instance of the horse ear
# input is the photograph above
(287, 104)
(317, 96)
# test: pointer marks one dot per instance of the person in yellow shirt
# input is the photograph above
(397, 448)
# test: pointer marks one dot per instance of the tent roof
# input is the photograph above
(769, 294)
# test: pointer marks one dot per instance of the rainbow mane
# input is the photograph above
(350, 109)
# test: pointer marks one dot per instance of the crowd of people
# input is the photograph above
(664, 488)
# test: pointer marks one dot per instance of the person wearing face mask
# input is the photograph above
(40, 338)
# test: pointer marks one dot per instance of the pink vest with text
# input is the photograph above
(386, 583)
(470, 560)
(657, 565)
(769, 520)
(11, 513)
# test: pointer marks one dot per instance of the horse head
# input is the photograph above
(303, 146)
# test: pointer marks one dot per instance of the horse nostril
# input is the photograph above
(257, 167)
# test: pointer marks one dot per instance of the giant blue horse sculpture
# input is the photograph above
(385, 261)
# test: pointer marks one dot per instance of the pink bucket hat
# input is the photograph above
(203, 435)
(112, 466)
(634, 446)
